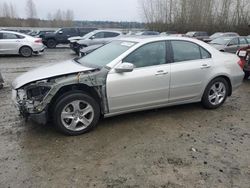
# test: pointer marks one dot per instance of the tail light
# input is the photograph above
(38, 41)
(241, 63)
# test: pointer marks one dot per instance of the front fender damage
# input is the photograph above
(95, 79)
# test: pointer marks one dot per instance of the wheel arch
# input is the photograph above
(226, 78)
(74, 88)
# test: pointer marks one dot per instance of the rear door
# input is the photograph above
(243, 42)
(189, 69)
(147, 85)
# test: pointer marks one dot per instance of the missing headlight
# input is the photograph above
(37, 93)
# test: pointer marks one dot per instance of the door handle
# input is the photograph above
(205, 66)
(161, 72)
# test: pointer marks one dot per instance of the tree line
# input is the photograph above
(9, 17)
(188, 15)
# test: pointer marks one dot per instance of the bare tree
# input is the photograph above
(184, 15)
(31, 9)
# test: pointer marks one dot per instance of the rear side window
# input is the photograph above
(248, 40)
(242, 40)
(110, 34)
(9, 36)
(187, 51)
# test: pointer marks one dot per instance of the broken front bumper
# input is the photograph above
(39, 117)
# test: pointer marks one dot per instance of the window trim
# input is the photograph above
(200, 47)
(167, 56)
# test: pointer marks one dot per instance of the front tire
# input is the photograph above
(215, 94)
(247, 74)
(26, 51)
(76, 113)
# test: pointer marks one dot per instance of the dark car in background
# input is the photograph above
(88, 50)
(51, 40)
(200, 35)
(1, 81)
(40, 33)
(230, 44)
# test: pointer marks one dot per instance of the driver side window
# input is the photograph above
(148, 55)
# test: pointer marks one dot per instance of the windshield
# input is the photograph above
(221, 41)
(104, 55)
(216, 35)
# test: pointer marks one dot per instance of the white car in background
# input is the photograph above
(18, 43)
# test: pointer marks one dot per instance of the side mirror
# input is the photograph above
(92, 37)
(60, 32)
(124, 67)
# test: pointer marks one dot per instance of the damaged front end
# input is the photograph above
(33, 99)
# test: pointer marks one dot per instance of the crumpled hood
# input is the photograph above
(49, 71)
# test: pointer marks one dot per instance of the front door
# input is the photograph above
(147, 85)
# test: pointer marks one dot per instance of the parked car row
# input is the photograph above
(79, 38)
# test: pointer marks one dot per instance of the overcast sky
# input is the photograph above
(113, 10)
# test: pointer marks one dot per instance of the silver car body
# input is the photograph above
(12, 45)
(93, 39)
(143, 88)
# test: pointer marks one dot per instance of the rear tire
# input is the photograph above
(215, 94)
(247, 74)
(76, 113)
(26, 51)
(51, 43)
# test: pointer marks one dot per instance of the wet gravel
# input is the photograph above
(175, 147)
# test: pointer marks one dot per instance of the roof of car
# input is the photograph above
(13, 32)
(154, 38)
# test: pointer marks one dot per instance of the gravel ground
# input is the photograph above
(183, 146)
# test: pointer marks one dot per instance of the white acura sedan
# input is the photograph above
(18, 43)
(127, 75)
